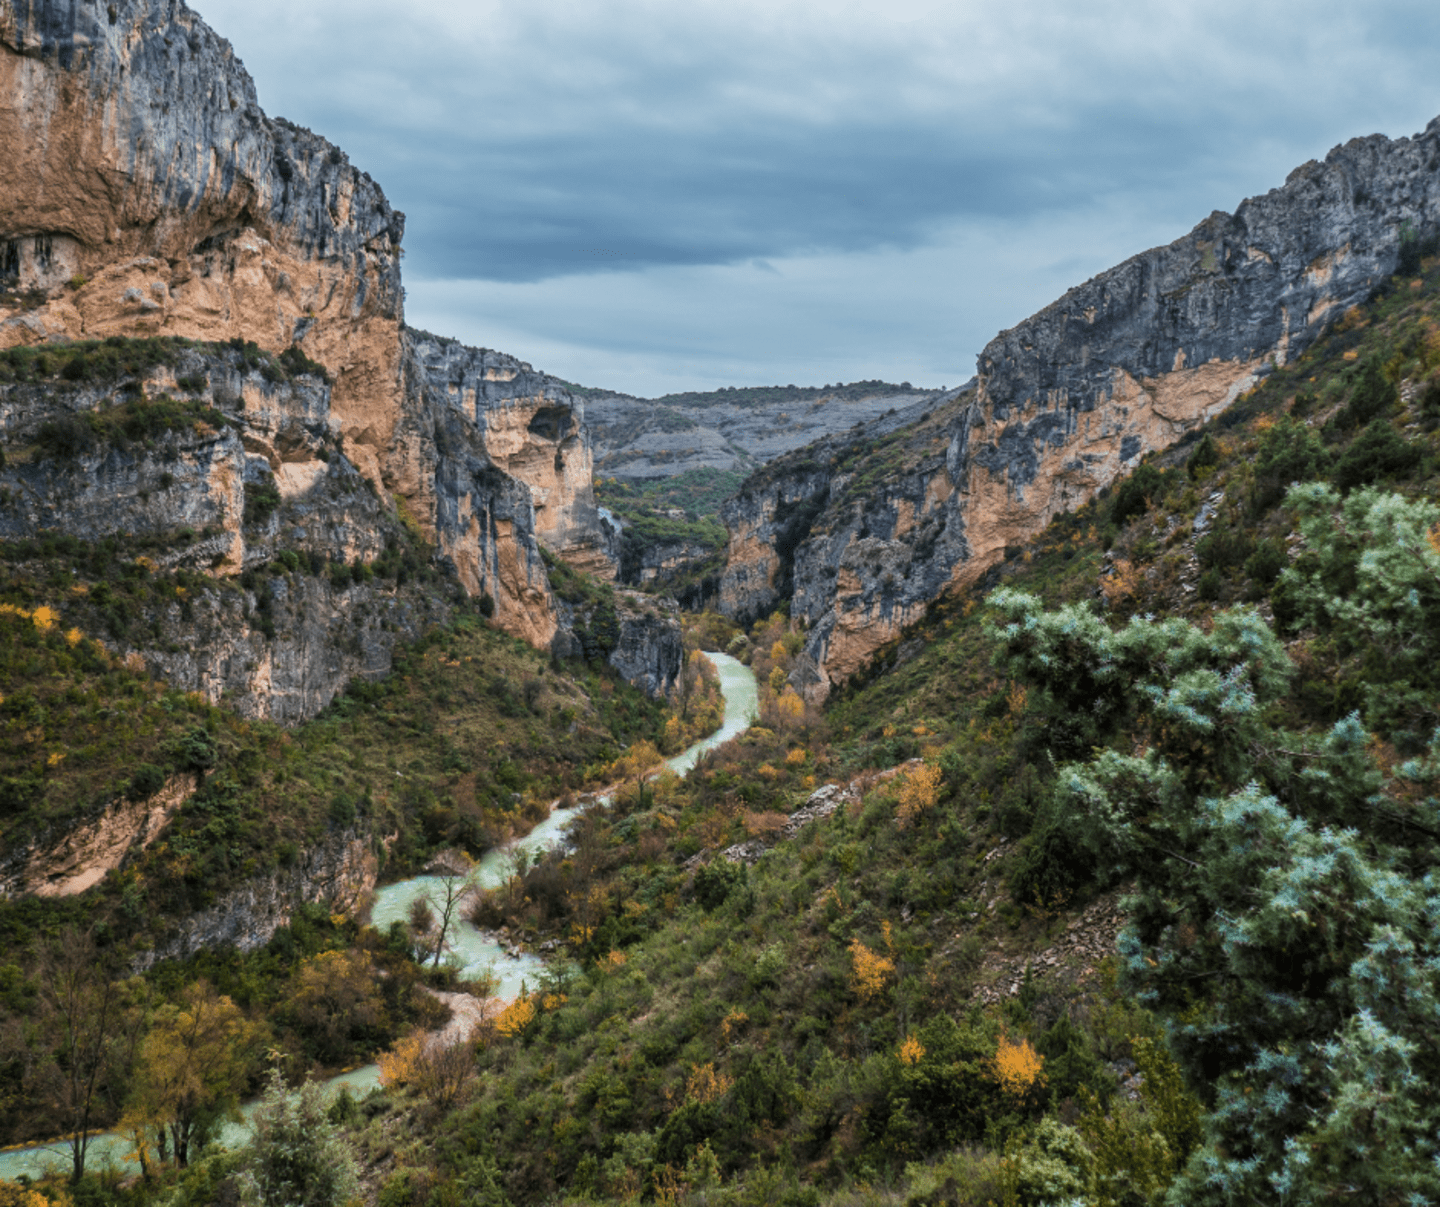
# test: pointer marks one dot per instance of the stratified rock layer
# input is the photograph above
(145, 193)
(532, 428)
(1073, 397)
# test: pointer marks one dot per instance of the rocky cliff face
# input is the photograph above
(339, 873)
(532, 428)
(146, 194)
(240, 478)
(139, 163)
(1070, 399)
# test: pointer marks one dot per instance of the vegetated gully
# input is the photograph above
(473, 950)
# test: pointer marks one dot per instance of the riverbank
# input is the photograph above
(478, 952)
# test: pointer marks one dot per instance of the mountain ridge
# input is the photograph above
(1070, 399)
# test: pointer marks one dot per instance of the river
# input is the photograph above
(473, 950)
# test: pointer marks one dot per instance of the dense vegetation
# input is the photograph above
(117, 357)
(465, 743)
(831, 1022)
(670, 520)
(1210, 694)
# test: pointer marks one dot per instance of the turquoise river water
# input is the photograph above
(471, 949)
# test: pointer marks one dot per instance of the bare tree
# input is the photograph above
(89, 1033)
(445, 898)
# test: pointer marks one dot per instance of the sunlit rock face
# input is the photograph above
(1072, 398)
(532, 428)
(145, 193)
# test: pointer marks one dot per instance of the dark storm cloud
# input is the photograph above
(528, 145)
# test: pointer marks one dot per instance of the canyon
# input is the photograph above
(1066, 402)
(149, 196)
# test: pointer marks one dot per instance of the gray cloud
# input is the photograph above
(555, 157)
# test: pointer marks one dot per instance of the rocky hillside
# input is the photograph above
(1069, 400)
(148, 196)
(938, 945)
(645, 439)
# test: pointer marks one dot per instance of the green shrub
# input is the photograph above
(294, 361)
(1224, 548)
(1371, 397)
(1070, 1062)
(1378, 452)
(716, 881)
(1205, 456)
(196, 750)
(66, 437)
(261, 500)
(147, 780)
(1264, 565)
(1136, 493)
(19, 792)
(297, 1153)
(1289, 452)
(1053, 1166)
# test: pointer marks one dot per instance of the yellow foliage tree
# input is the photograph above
(705, 1085)
(518, 1015)
(401, 1063)
(640, 758)
(438, 1071)
(869, 971)
(193, 1065)
(1018, 1067)
(919, 790)
(912, 1051)
(1122, 582)
(792, 707)
(12, 1194)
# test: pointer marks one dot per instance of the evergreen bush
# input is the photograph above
(297, 1156)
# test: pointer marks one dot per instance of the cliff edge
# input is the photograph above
(1069, 400)
(147, 195)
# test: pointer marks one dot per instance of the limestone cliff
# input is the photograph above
(532, 428)
(1069, 400)
(240, 474)
(339, 873)
(638, 635)
(146, 194)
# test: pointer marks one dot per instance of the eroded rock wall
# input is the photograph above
(276, 645)
(339, 873)
(532, 428)
(1074, 396)
(146, 193)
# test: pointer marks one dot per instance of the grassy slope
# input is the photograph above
(727, 1006)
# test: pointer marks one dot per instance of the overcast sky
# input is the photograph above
(656, 195)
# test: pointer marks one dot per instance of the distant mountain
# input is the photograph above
(731, 429)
